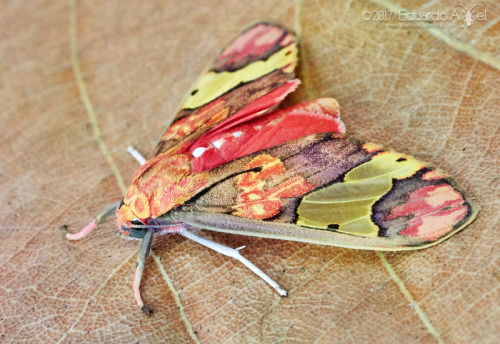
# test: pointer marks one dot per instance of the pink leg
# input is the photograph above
(110, 210)
(83, 233)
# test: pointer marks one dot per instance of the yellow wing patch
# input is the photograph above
(347, 206)
(212, 85)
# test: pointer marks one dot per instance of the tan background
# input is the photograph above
(430, 93)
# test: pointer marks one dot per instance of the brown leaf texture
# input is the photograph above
(432, 93)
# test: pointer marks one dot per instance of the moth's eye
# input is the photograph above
(137, 232)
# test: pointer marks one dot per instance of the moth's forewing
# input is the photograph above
(332, 190)
(258, 62)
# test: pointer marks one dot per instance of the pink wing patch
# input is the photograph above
(256, 43)
(250, 134)
(435, 210)
(256, 109)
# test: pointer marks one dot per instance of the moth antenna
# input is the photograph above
(234, 254)
(103, 216)
(142, 255)
(137, 156)
(155, 226)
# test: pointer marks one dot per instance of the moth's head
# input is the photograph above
(134, 211)
(162, 183)
(130, 226)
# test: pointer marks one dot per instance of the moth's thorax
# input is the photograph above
(160, 185)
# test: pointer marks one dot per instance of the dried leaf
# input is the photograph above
(433, 93)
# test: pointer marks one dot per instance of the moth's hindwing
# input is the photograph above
(328, 189)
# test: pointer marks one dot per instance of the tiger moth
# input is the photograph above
(232, 162)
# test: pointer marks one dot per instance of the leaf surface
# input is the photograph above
(433, 94)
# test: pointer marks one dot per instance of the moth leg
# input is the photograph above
(103, 216)
(234, 254)
(142, 255)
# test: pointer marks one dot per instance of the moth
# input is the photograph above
(231, 162)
